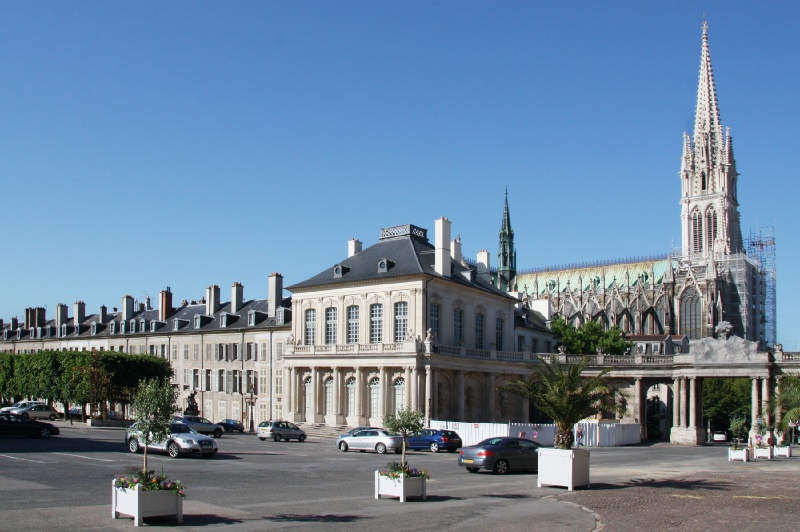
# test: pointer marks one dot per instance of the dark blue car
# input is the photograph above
(231, 425)
(435, 440)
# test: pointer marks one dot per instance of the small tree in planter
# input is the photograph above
(399, 480)
(562, 393)
(404, 422)
(155, 402)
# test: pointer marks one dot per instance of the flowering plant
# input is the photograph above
(397, 470)
(149, 482)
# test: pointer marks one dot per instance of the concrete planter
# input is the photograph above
(738, 454)
(762, 452)
(402, 487)
(783, 450)
(563, 467)
(139, 504)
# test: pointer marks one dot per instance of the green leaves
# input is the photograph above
(404, 422)
(587, 338)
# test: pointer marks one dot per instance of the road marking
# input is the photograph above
(85, 457)
(25, 459)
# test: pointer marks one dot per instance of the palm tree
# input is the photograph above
(560, 392)
(787, 402)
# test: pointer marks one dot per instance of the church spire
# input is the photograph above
(507, 256)
(707, 128)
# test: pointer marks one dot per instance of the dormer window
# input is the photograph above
(223, 320)
(251, 318)
(197, 321)
(113, 327)
(279, 319)
(63, 330)
(339, 270)
(176, 325)
(153, 326)
(133, 326)
(94, 328)
(5, 335)
(142, 325)
(384, 265)
(123, 326)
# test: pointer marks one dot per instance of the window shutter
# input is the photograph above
(229, 381)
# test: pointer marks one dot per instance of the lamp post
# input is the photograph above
(251, 401)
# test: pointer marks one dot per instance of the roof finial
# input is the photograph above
(705, 27)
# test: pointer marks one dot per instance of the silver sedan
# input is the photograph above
(378, 440)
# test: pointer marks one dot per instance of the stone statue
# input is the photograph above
(191, 406)
(724, 328)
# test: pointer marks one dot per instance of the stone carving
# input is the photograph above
(724, 328)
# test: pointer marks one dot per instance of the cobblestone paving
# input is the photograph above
(750, 500)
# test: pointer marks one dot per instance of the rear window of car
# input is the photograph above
(449, 434)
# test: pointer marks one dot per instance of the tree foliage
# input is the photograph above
(561, 392)
(725, 399)
(154, 403)
(587, 338)
(787, 402)
(404, 422)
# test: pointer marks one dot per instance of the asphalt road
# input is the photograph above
(64, 483)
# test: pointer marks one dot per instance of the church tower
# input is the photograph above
(709, 207)
(507, 256)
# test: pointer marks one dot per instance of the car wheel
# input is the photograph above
(208, 455)
(241, 430)
(381, 448)
(434, 447)
(218, 433)
(343, 447)
(301, 438)
(277, 437)
(25, 415)
(44, 433)
(473, 469)
(173, 450)
(500, 467)
(52, 417)
(133, 445)
(262, 439)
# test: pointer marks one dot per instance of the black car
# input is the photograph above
(500, 455)
(231, 425)
(14, 425)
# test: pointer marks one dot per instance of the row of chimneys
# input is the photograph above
(35, 317)
(444, 255)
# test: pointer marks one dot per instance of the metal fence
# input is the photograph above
(586, 434)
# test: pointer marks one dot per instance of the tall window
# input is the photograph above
(711, 229)
(691, 313)
(498, 334)
(399, 394)
(374, 396)
(434, 319)
(330, 325)
(458, 326)
(400, 321)
(329, 396)
(186, 352)
(352, 324)
(350, 388)
(279, 382)
(376, 323)
(478, 331)
(697, 232)
(311, 326)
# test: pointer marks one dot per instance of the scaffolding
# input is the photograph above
(760, 246)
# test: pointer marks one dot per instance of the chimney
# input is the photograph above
(39, 317)
(14, 323)
(80, 313)
(28, 323)
(1, 324)
(237, 297)
(442, 255)
(275, 295)
(212, 300)
(165, 305)
(455, 246)
(142, 306)
(61, 315)
(353, 247)
(127, 308)
(483, 267)
(147, 305)
(103, 314)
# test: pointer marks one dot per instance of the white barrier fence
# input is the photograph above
(586, 434)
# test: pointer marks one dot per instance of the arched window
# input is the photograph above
(350, 388)
(711, 228)
(399, 400)
(374, 396)
(691, 313)
(329, 396)
(697, 232)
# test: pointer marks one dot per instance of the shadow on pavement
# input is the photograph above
(672, 483)
(192, 520)
(312, 518)
(506, 495)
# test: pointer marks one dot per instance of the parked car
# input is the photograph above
(231, 424)
(75, 412)
(181, 439)
(201, 425)
(500, 455)
(20, 404)
(37, 411)
(435, 440)
(720, 436)
(14, 425)
(378, 440)
(280, 430)
(357, 429)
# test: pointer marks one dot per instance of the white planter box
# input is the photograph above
(400, 487)
(563, 467)
(783, 450)
(762, 452)
(140, 504)
(738, 454)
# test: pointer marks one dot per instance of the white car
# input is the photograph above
(182, 439)
(21, 404)
(378, 440)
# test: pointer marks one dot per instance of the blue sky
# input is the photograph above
(183, 144)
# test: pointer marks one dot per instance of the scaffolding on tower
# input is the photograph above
(760, 245)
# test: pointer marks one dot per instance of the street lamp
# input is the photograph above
(251, 401)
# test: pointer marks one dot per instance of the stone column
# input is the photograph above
(683, 402)
(765, 394)
(429, 386)
(490, 394)
(315, 408)
(754, 401)
(778, 413)
(382, 392)
(415, 375)
(408, 389)
(640, 410)
(460, 377)
(693, 403)
(676, 401)
(337, 401)
(292, 382)
(359, 396)
(432, 392)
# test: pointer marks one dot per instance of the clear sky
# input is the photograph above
(183, 144)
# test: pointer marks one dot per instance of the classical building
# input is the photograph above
(711, 280)
(221, 351)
